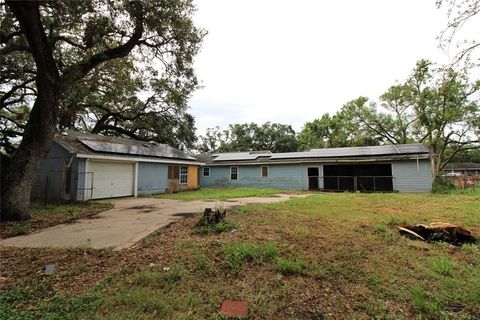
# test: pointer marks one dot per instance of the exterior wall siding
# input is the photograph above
(279, 176)
(152, 178)
(49, 183)
(408, 177)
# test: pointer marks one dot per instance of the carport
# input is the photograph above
(358, 177)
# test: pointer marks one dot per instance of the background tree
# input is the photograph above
(438, 108)
(49, 47)
(275, 137)
(342, 129)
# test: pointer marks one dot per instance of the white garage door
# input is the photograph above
(112, 179)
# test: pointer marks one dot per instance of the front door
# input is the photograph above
(312, 178)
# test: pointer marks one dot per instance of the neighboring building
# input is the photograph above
(462, 169)
(404, 168)
(82, 166)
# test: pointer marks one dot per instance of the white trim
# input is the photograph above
(135, 180)
(261, 171)
(238, 173)
(180, 174)
(87, 167)
(102, 157)
(203, 171)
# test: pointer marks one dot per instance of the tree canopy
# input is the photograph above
(436, 107)
(275, 137)
(119, 67)
(141, 95)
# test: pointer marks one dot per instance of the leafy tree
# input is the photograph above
(460, 13)
(342, 129)
(275, 137)
(107, 102)
(435, 107)
(53, 54)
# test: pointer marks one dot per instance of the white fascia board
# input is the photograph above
(137, 159)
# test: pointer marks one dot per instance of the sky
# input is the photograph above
(292, 61)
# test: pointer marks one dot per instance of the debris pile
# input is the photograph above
(439, 231)
(212, 217)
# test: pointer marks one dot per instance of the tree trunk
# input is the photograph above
(19, 173)
(21, 169)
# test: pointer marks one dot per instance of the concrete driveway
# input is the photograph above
(129, 221)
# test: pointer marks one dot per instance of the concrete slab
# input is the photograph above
(128, 222)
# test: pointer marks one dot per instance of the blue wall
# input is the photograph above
(279, 176)
(152, 178)
(410, 177)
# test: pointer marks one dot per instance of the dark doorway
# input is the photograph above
(361, 177)
(313, 174)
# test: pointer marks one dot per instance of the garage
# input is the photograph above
(112, 179)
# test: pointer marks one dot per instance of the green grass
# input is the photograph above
(291, 266)
(236, 254)
(325, 256)
(47, 215)
(220, 194)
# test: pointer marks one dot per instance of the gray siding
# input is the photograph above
(279, 176)
(408, 177)
(152, 178)
(50, 179)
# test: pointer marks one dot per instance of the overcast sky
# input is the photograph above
(292, 61)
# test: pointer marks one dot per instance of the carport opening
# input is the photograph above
(358, 177)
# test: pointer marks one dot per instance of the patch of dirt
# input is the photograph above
(185, 214)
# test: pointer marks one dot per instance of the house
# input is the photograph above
(462, 169)
(82, 166)
(403, 168)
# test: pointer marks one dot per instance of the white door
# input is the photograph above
(112, 179)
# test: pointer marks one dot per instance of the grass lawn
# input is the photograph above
(47, 215)
(220, 194)
(328, 256)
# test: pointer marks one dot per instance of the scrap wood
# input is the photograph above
(410, 232)
(439, 231)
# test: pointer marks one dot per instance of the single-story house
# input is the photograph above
(403, 168)
(83, 166)
(462, 169)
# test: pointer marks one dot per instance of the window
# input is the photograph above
(233, 173)
(183, 174)
(206, 171)
(264, 171)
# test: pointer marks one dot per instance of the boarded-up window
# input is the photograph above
(264, 171)
(233, 173)
(183, 174)
(173, 173)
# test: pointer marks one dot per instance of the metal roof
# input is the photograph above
(355, 151)
(349, 152)
(87, 143)
(251, 155)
